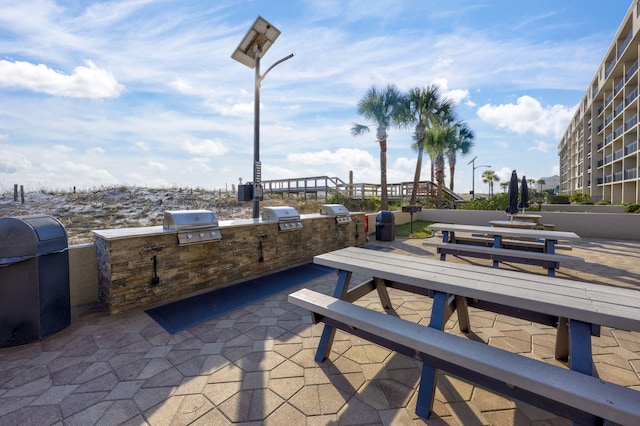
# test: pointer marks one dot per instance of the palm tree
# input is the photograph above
(504, 186)
(540, 183)
(383, 108)
(439, 140)
(462, 144)
(489, 176)
(424, 108)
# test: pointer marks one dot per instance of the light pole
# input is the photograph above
(253, 46)
(473, 176)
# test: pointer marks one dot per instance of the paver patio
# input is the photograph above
(256, 365)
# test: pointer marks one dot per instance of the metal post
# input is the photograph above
(256, 136)
(256, 43)
(473, 179)
(473, 176)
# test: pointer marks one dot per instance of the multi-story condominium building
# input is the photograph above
(599, 150)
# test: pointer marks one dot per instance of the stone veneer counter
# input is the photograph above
(248, 249)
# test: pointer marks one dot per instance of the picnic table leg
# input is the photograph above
(445, 239)
(580, 356)
(497, 243)
(383, 294)
(329, 332)
(562, 340)
(427, 389)
(463, 314)
(550, 247)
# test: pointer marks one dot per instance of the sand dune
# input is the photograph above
(126, 206)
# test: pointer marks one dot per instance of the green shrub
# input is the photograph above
(580, 198)
(369, 204)
(498, 202)
(632, 208)
(559, 199)
(603, 203)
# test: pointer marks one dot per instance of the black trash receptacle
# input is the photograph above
(385, 226)
(34, 279)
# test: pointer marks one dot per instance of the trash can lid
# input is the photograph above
(30, 235)
(46, 227)
(385, 216)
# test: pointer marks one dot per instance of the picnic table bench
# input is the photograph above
(573, 306)
(505, 246)
(530, 217)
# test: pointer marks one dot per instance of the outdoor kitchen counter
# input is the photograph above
(147, 266)
(111, 234)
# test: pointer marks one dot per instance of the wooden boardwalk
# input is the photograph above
(318, 187)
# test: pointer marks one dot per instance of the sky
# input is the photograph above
(145, 93)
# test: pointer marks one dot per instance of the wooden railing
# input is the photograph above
(324, 185)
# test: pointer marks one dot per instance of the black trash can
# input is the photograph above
(385, 226)
(34, 279)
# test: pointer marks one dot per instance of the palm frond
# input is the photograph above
(359, 129)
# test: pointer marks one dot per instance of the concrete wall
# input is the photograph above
(83, 274)
(583, 208)
(619, 226)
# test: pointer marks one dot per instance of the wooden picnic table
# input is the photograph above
(577, 309)
(535, 218)
(524, 253)
(522, 224)
(515, 221)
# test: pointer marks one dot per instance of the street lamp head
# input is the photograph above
(256, 42)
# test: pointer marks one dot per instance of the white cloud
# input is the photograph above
(528, 116)
(182, 86)
(62, 149)
(204, 147)
(198, 166)
(339, 163)
(350, 158)
(457, 95)
(96, 151)
(237, 109)
(539, 146)
(504, 174)
(12, 162)
(157, 166)
(403, 169)
(86, 81)
(143, 146)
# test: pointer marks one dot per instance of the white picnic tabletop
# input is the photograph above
(505, 232)
(593, 303)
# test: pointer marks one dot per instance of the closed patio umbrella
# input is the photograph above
(513, 194)
(524, 195)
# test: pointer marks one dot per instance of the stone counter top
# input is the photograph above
(112, 234)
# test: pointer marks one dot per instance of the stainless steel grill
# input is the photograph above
(339, 211)
(193, 226)
(288, 218)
